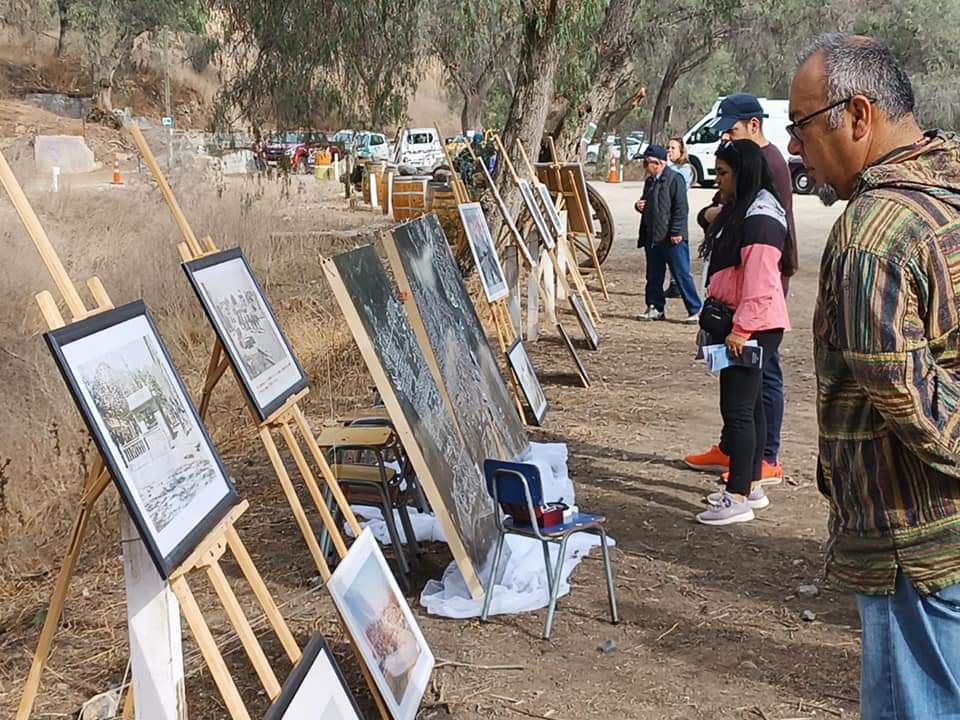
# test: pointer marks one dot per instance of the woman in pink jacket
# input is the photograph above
(744, 302)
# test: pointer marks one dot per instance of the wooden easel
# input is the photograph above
(284, 419)
(559, 268)
(207, 553)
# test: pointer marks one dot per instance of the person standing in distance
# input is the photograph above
(885, 335)
(740, 117)
(663, 234)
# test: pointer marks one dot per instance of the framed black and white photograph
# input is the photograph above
(581, 370)
(147, 430)
(508, 219)
(589, 331)
(527, 379)
(247, 328)
(382, 626)
(315, 689)
(533, 210)
(484, 252)
(550, 210)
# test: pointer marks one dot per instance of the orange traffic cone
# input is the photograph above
(116, 173)
(613, 175)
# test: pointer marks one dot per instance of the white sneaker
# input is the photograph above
(652, 314)
(726, 512)
(693, 319)
(757, 499)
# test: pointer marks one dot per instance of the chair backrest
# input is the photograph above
(509, 482)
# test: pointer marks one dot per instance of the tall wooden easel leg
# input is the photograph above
(215, 370)
(96, 481)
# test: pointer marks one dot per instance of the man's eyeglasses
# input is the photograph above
(794, 128)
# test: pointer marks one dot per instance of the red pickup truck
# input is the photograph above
(294, 150)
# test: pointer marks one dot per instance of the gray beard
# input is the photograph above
(827, 194)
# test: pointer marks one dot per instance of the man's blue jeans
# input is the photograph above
(911, 654)
(773, 406)
(677, 258)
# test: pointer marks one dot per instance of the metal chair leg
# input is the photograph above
(546, 563)
(608, 569)
(387, 508)
(408, 531)
(488, 595)
(555, 590)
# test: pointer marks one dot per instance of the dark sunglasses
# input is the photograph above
(794, 128)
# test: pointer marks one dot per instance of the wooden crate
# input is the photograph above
(409, 197)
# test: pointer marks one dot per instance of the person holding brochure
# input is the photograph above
(745, 302)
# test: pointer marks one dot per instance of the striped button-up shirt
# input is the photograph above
(887, 351)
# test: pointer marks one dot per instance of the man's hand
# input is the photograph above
(640, 205)
(676, 239)
(735, 344)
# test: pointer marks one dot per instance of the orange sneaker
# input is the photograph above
(713, 460)
(769, 475)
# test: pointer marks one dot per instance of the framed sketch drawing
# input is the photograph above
(508, 219)
(247, 328)
(533, 210)
(581, 370)
(146, 429)
(550, 210)
(382, 626)
(484, 253)
(315, 689)
(589, 331)
(527, 379)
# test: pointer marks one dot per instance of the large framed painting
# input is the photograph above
(315, 689)
(508, 219)
(484, 252)
(147, 430)
(247, 328)
(527, 380)
(533, 210)
(382, 626)
(589, 331)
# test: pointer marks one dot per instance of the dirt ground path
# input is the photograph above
(711, 622)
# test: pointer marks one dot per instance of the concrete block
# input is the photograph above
(68, 152)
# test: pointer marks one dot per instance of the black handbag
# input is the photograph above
(716, 319)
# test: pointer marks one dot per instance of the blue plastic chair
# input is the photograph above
(519, 484)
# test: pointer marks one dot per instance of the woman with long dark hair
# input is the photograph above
(745, 303)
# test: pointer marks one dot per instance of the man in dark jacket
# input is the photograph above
(663, 233)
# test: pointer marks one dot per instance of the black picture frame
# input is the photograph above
(526, 377)
(581, 370)
(59, 342)
(589, 331)
(317, 650)
(533, 210)
(263, 410)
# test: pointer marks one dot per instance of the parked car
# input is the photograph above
(635, 147)
(419, 147)
(344, 140)
(802, 182)
(371, 146)
(295, 149)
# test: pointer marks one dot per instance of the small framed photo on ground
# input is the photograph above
(550, 210)
(581, 370)
(146, 429)
(589, 331)
(247, 328)
(315, 689)
(384, 629)
(484, 252)
(533, 210)
(529, 383)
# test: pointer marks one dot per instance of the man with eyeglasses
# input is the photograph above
(887, 353)
(740, 117)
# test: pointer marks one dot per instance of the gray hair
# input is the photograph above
(858, 65)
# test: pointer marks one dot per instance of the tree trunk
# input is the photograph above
(659, 118)
(103, 73)
(614, 68)
(539, 60)
(62, 8)
(470, 113)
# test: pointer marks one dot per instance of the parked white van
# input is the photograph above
(419, 147)
(702, 141)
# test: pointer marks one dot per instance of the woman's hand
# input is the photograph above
(735, 344)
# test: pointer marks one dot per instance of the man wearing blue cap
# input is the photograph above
(663, 234)
(740, 117)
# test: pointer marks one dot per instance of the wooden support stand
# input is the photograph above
(285, 420)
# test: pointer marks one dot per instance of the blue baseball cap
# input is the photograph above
(658, 152)
(733, 108)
